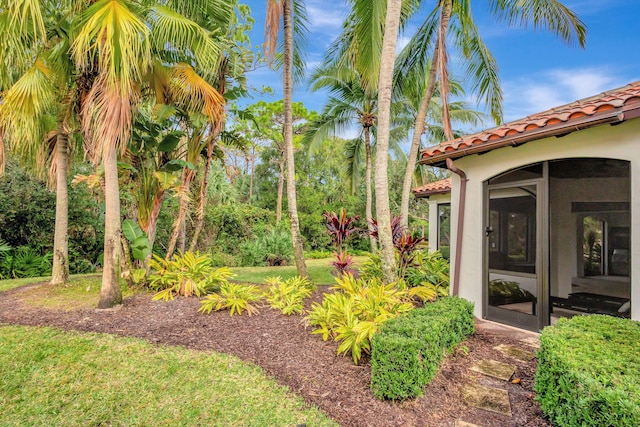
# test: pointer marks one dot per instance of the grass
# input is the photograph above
(5, 285)
(50, 377)
(82, 291)
(319, 270)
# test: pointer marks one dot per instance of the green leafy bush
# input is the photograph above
(318, 254)
(23, 261)
(589, 372)
(186, 274)
(430, 270)
(272, 247)
(288, 296)
(233, 297)
(406, 353)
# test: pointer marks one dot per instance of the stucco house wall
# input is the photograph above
(620, 142)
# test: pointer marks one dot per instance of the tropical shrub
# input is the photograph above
(137, 239)
(318, 254)
(406, 353)
(429, 270)
(233, 297)
(588, 372)
(288, 295)
(340, 226)
(23, 261)
(272, 247)
(5, 251)
(186, 274)
(355, 312)
(342, 264)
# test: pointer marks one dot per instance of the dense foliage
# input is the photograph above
(406, 353)
(27, 216)
(589, 372)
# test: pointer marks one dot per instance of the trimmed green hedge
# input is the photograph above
(406, 353)
(589, 372)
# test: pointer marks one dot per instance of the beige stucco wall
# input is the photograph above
(617, 142)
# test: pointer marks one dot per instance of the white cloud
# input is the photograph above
(325, 17)
(551, 88)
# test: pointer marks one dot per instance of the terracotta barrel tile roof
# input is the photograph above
(438, 187)
(613, 106)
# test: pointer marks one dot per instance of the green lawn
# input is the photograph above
(50, 377)
(5, 285)
(319, 270)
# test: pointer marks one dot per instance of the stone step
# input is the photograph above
(515, 352)
(487, 398)
(532, 342)
(460, 423)
(494, 369)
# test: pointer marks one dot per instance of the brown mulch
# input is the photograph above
(303, 362)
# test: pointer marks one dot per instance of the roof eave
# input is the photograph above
(613, 117)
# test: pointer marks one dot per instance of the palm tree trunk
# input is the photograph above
(204, 187)
(368, 189)
(301, 266)
(60, 270)
(178, 224)
(419, 125)
(251, 170)
(280, 188)
(110, 293)
(383, 212)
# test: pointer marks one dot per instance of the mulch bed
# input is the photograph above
(286, 350)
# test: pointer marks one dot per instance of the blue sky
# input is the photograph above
(537, 71)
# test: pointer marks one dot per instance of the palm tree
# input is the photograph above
(37, 109)
(120, 41)
(385, 86)
(348, 103)
(292, 14)
(454, 16)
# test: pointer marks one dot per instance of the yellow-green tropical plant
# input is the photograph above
(186, 274)
(233, 297)
(355, 312)
(288, 295)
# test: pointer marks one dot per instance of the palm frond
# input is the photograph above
(181, 37)
(550, 15)
(117, 39)
(194, 93)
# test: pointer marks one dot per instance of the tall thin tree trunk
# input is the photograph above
(204, 188)
(110, 293)
(301, 266)
(60, 270)
(178, 224)
(383, 212)
(251, 170)
(281, 162)
(419, 125)
(368, 189)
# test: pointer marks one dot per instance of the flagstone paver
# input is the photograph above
(487, 398)
(495, 369)
(532, 342)
(461, 423)
(515, 352)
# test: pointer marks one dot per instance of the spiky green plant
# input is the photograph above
(186, 274)
(288, 296)
(233, 297)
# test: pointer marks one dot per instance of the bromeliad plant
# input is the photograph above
(186, 274)
(288, 295)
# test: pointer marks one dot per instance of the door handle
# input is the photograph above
(488, 231)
